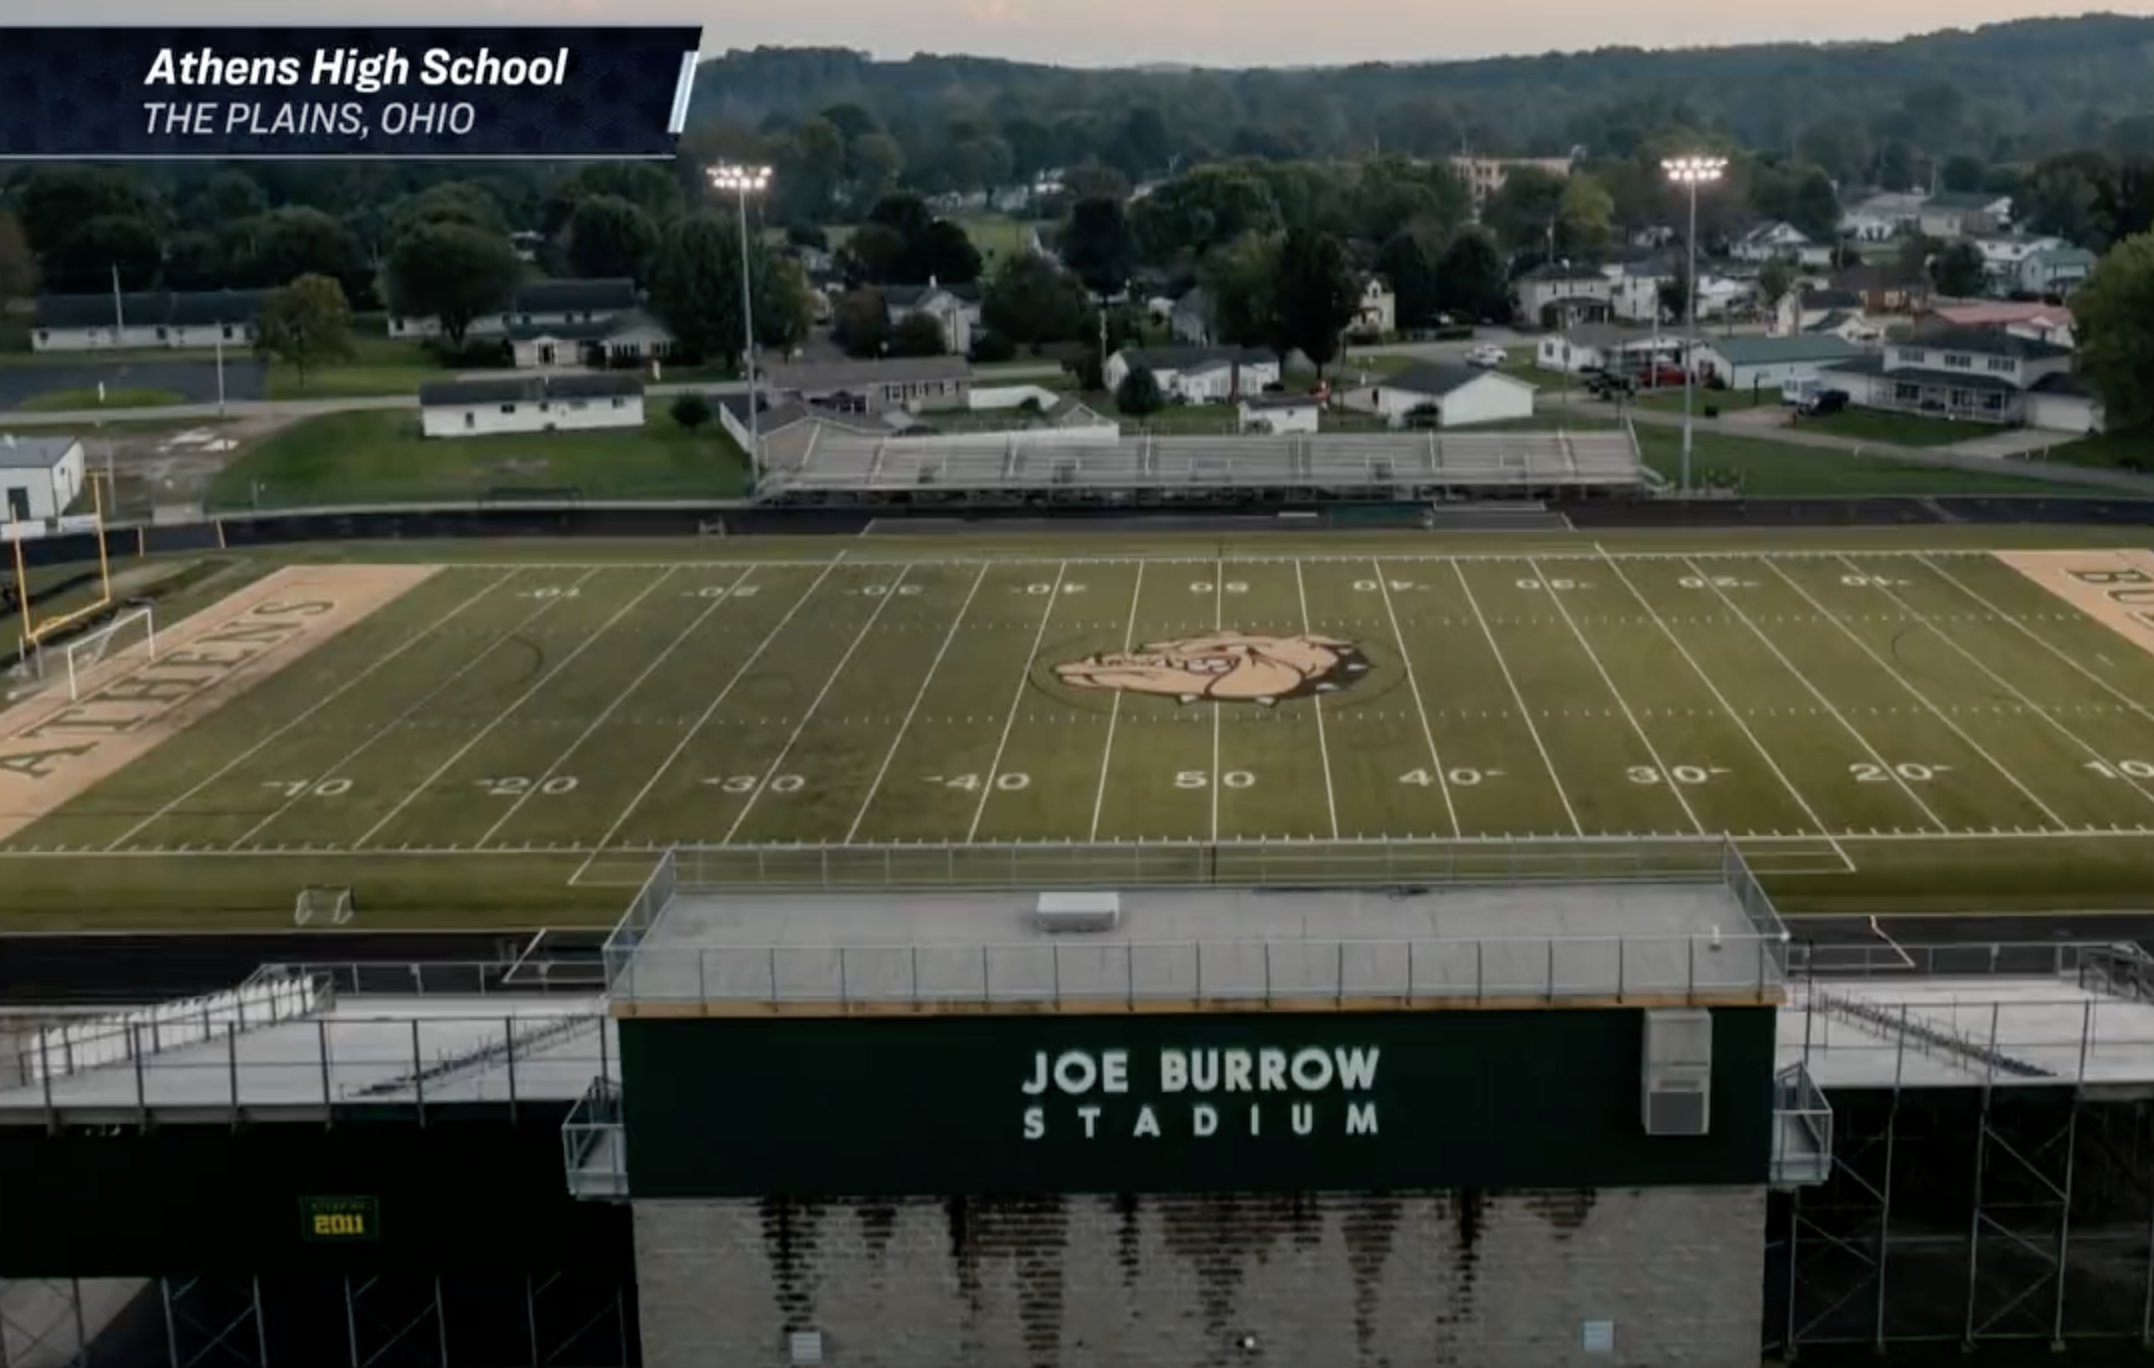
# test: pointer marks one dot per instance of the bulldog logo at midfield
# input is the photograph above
(1223, 667)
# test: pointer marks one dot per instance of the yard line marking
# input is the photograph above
(837, 671)
(1722, 700)
(1114, 714)
(1668, 776)
(590, 638)
(347, 686)
(1519, 698)
(1323, 745)
(1413, 686)
(1219, 622)
(1017, 695)
(903, 727)
(621, 696)
(1921, 697)
(1884, 765)
(367, 742)
(2008, 686)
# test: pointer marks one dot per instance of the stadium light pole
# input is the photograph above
(1691, 172)
(744, 181)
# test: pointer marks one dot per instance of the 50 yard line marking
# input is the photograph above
(1017, 695)
(1219, 622)
(1114, 714)
(1593, 656)
(590, 639)
(1413, 687)
(837, 671)
(346, 687)
(620, 696)
(919, 694)
(1323, 745)
(710, 710)
(1524, 712)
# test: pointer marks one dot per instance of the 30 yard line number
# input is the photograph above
(749, 783)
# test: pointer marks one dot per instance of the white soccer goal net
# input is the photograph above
(132, 633)
(319, 904)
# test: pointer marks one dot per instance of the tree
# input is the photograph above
(689, 410)
(225, 197)
(1242, 279)
(1090, 180)
(1963, 173)
(454, 273)
(1957, 271)
(1139, 396)
(809, 166)
(1405, 264)
(449, 202)
(608, 236)
(877, 159)
(2069, 195)
(860, 323)
(306, 324)
(1673, 296)
(1198, 211)
(1099, 246)
(1585, 216)
(86, 258)
(2115, 314)
(295, 241)
(1031, 300)
(18, 264)
(696, 289)
(1470, 279)
(1316, 295)
(195, 260)
(875, 255)
(1521, 212)
(1912, 265)
(1775, 279)
(56, 202)
(917, 335)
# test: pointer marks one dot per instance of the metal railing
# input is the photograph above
(2084, 963)
(1802, 1129)
(594, 1149)
(444, 978)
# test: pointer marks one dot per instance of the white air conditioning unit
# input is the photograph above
(1677, 1092)
(1060, 913)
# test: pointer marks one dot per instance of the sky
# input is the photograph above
(1135, 32)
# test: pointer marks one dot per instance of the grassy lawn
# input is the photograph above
(379, 456)
(996, 236)
(379, 365)
(60, 401)
(1900, 429)
(2115, 450)
(1762, 468)
(1727, 401)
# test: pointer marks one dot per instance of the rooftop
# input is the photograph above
(33, 453)
(514, 389)
(898, 370)
(1766, 351)
(1992, 341)
(1440, 378)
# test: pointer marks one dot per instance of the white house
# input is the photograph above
(1969, 214)
(1634, 289)
(161, 318)
(1802, 311)
(1882, 216)
(1279, 413)
(1766, 363)
(1981, 375)
(555, 303)
(1557, 295)
(2056, 271)
(1378, 313)
(1197, 375)
(1443, 394)
(530, 403)
(41, 476)
(1768, 241)
(1484, 176)
(2004, 254)
(623, 338)
(1602, 346)
(912, 383)
(954, 315)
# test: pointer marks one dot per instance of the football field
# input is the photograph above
(503, 741)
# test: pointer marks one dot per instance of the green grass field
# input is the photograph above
(62, 401)
(509, 742)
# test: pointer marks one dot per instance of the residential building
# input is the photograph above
(621, 339)
(150, 319)
(2003, 254)
(1849, 325)
(1769, 241)
(530, 403)
(1197, 375)
(1881, 217)
(1766, 363)
(41, 477)
(1982, 375)
(2036, 320)
(1882, 289)
(2055, 272)
(1802, 310)
(1378, 313)
(912, 383)
(1484, 176)
(549, 303)
(1446, 395)
(1969, 214)
(1634, 288)
(953, 314)
(1603, 346)
(1191, 318)
(1556, 295)
(1280, 413)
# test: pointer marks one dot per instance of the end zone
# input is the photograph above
(2114, 587)
(52, 750)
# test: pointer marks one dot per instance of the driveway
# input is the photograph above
(194, 381)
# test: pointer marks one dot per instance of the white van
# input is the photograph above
(1801, 390)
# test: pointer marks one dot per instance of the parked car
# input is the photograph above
(1825, 401)
(1487, 356)
(1659, 377)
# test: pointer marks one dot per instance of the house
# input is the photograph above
(1196, 375)
(1802, 310)
(1769, 241)
(1634, 288)
(160, 318)
(1603, 346)
(1279, 413)
(1377, 315)
(1964, 214)
(1556, 294)
(954, 315)
(2056, 271)
(1849, 325)
(622, 339)
(1444, 394)
(1190, 321)
(1881, 216)
(527, 243)
(2003, 254)
(1766, 363)
(1484, 176)
(1982, 375)
(912, 383)
(42, 476)
(552, 303)
(1882, 290)
(2031, 319)
(530, 403)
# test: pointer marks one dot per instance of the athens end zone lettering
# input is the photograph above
(158, 688)
(1261, 1093)
(2132, 591)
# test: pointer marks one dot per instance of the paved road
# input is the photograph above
(195, 381)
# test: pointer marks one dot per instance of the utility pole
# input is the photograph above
(119, 318)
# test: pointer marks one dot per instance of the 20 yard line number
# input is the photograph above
(1871, 772)
(520, 785)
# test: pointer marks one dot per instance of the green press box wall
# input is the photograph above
(930, 1105)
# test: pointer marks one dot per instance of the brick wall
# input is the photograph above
(1366, 1280)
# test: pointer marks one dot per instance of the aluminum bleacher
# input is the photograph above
(1408, 465)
